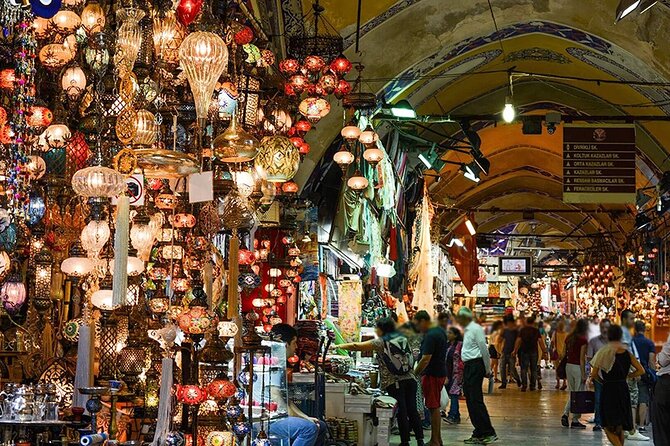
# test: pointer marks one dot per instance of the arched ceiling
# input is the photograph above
(447, 58)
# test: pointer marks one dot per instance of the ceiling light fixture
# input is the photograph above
(482, 162)
(471, 171)
(646, 5)
(425, 161)
(470, 225)
(626, 7)
(508, 113)
(403, 109)
(642, 222)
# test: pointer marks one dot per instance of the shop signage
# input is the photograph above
(599, 163)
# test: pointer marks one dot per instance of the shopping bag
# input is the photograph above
(583, 402)
(444, 399)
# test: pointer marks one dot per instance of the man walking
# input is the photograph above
(477, 366)
(627, 324)
(506, 343)
(527, 346)
(660, 406)
(432, 367)
(647, 351)
(594, 345)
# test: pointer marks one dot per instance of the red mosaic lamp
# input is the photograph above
(190, 394)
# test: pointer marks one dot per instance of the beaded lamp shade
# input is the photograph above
(77, 153)
(221, 388)
(278, 158)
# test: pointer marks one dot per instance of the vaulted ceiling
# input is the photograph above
(448, 58)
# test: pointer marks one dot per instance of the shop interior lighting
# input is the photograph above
(403, 109)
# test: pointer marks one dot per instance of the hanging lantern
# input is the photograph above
(166, 200)
(168, 35)
(373, 155)
(128, 39)
(304, 148)
(188, 10)
(77, 151)
(146, 129)
(197, 320)
(76, 266)
(343, 89)
(328, 83)
(55, 56)
(159, 302)
(142, 236)
(190, 394)
(132, 358)
(279, 121)
(93, 18)
(314, 108)
(290, 187)
(235, 145)
(5, 263)
(42, 27)
(43, 262)
(278, 158)
(13, 294)
(227, 329)
(94, 236)
(350, 132)
(7, 79)
(57, 136)
(340, 65)
(343, 158)
(245, 257)
(221, 388)
(66, 22)
(368, 136)
(245, 182)
(183, 220)
(357, 182)
(36, 167)
(314, 63)
(244, 36)
(73, 82)
(289, 66)
(275, 272)
(204, 57)
(39, 117)
(303, 126)
(220, 438)
(98, 181)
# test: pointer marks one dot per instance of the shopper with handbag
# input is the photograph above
(454, 374)
(575, 368)
(611, 366)
(594, 346)
(558, 351)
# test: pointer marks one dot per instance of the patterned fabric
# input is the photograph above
(350, 296)
(456, 382)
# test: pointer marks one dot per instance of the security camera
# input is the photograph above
(552, 120)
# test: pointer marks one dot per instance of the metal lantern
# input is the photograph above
(132, 357)
(43, 262)
(93, 18)
(168, 35)
(235, 145)
(278, 158)
(146, 129)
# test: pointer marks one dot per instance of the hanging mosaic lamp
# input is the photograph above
(278, 158)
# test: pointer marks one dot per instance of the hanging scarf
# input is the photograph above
(83, 376)
(421, 271)
(120, 279)
(164, 403)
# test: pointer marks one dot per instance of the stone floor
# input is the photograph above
(527, 418)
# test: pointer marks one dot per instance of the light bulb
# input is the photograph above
(508, 113)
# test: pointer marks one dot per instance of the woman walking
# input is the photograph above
(394, 357)
(575, 347)
(454, 374)
(558, 350)
(496, 330)
(611, 367)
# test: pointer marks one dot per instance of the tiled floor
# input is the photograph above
(527, 418)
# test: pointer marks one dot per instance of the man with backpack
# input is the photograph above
(395, 360)
(433, 370)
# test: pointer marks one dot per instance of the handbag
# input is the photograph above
(554, 355)
(582, 401)
(561, 373)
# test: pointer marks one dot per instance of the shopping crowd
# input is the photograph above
(429, 366)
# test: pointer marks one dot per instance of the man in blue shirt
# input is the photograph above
(647, 351)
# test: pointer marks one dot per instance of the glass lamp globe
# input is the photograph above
(168, 34)
(135, 266)
(314, 108)
(204, 58)
(98, 181)
(128, 39)
(76, 266)
(146, 128)
(102, 299)
(343, 157)
(246, 183)
(373, 155)
(57, 135)
(357, 181)
(368, 136)
(227, 329)
(66, 21)
(73, 80)
(350, 132)
(13, 294)
(278, 158)
(93, 18)
(142, 236)
(55, 56)
(94, 236)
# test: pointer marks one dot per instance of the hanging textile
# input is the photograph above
(164, 403)
(350, 294)
(421, 273)
(121, 228)
(464, 257)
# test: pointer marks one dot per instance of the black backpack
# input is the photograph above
(397, 354)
